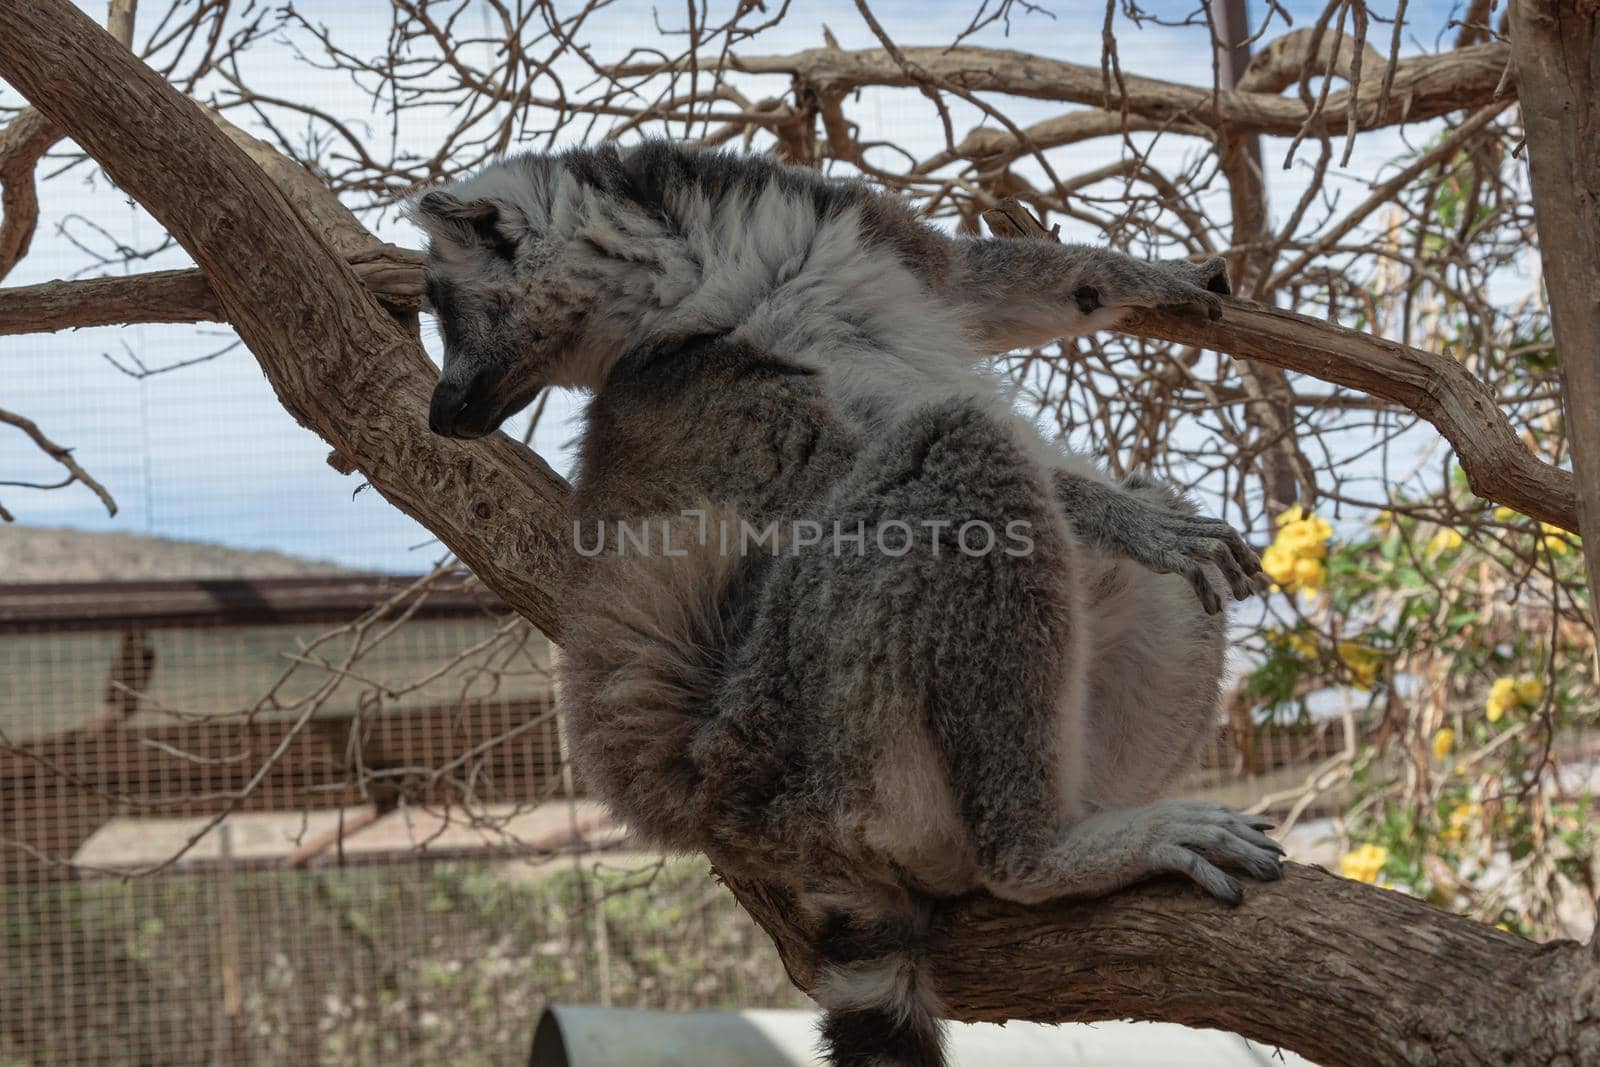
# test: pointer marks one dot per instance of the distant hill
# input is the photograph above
(43, 554)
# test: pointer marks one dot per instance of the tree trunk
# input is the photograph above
(1336, 970)
(1557, 48)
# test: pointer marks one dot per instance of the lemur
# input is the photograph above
(882, 721)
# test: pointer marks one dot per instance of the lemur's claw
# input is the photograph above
(1199, 838)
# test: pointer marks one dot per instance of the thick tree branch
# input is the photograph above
(26, 138)
(1333, 969)
(1340, 972)
(393, 275)
(23, 143)
(1424, 86)
(1286, 475)
(1558, 55)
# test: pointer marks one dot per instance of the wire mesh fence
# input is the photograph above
(326, 820)
(306, 821)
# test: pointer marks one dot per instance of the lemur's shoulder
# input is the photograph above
(657, 175)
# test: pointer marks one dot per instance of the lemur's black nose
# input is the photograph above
(444, 411)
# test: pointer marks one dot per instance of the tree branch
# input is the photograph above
(1338, 971)
(63, 456)
(393, 275)
(1499, 468)
(1424, 86)
(1557, 44)
(24, 141)
(1326, 967)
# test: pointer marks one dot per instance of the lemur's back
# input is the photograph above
(744, 444)
(676, 425)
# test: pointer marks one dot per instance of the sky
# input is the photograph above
(205, 452)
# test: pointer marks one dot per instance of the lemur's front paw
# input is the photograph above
(1198, 539)
(1198, 838)
(1169, 542)
(1178, 284)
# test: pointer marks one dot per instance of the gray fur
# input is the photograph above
(872, 730)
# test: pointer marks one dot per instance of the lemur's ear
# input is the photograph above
(498, 225)
(447, 208)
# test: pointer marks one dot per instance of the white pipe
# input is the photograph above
(584, 1036)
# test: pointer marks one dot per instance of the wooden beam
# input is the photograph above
(58, 607)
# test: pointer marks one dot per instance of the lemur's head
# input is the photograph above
(508, 314)
(543, 269)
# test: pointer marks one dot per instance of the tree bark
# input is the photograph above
(1557, 46)
(1341, 972)
(1333, 969)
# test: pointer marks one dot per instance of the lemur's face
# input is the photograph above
(505, 317)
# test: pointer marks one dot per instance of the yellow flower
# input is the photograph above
(1505, 514)
(1502, 695)
(1443, 741)
(1304, 644)
(1530, 691)
(1364, 864)
(1363, 661)
(1278, 562)
(1446, 540)
(1294, 514)
(1461, 817)
(1309, 575)
(1383, 522)
(1555, 539)
(1303, 539)
(1294, 559)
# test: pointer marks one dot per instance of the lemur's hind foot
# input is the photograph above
(1113, 849)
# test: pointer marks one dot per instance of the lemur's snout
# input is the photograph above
(468, 406)
(449, 401)
(461, 409)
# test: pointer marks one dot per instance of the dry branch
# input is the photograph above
(62, 455)
(393, 275)
(1498, 466)
(1333, 969)
(23, 143)
(1424, 86)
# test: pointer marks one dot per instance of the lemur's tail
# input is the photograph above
(643, 660)
(879, 1008)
